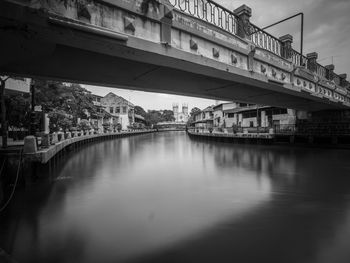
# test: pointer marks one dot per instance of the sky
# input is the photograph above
(326, 31)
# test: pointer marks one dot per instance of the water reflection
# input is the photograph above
(166, 198)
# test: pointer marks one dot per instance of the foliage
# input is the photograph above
(84, 125)
(117, 126)
(140, 111)
(18, 110)
(70, 98)
(168, 115)
(153, 117)
(59, 120)
(192, 113)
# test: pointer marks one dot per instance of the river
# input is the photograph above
(165, 197)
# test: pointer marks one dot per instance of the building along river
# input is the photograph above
(165, 197)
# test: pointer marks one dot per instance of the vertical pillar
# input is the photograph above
(32, 114)
(330, 71)
(312, 61)
(243, 13)
(286, 48)
(166, 23)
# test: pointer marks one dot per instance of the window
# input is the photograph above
(124, 109)
(249, 114)
(230, 115)
(117, 110)
(111, 109)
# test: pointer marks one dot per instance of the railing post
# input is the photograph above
(312, 61)
(330, 72)
(243, 14)
(286, 47)
(343, 81)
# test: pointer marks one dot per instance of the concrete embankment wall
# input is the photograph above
(26, 167)
(341, 141)
(233, 138)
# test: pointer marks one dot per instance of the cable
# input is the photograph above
(14, 187)
(2, 167)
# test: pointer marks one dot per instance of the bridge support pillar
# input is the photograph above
(286, 48)
(312, 61)
(243, 13)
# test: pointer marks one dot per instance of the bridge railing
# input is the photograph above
(298, 59)
(321, 70)
(210, 12)
(264, 40)
(217, 15)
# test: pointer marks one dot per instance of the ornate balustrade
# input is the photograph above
(264, 40)
(227, 20)
(209, 11)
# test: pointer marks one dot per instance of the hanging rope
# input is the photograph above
(14, 187)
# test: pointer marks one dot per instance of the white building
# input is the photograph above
(259, 116)
(180, 116)
(204, 118)
(219, 116)
(119, 109)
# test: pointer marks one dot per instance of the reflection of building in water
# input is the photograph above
(280, 164)
(180, 116)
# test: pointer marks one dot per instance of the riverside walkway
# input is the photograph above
(45, 154)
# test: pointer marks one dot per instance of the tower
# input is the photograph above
(176, 111)
(185, 109)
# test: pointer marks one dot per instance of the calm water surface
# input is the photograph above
(168, 198)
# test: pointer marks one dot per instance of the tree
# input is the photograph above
(18, 110)
(84, 125)
(168, 115)
(140, 111)
(192, 113)
(70, 98)
(59, 120)
(153, 117)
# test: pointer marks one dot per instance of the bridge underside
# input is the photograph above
(43, 50)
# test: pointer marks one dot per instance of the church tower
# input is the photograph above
(185, 109)
(176, 111)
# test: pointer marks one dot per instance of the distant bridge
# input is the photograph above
(187, 47)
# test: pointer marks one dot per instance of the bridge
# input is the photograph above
(186, 47)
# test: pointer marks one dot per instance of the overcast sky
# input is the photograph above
(326, 31)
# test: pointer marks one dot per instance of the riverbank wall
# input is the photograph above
(249, 138)
(305, 140)
(19, 168)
